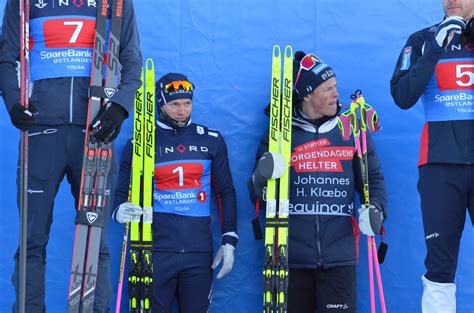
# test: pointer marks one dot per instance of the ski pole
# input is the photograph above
(24, 8)
(122, 269)
(361, 150)
(379, 277)
(369, 120)
(362, 153)
(348, 123)
(371, 274)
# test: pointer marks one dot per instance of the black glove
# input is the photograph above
(107, 123)
(468, 33)
(23, 118)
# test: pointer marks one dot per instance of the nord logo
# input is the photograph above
(181, 149)
(76, 3)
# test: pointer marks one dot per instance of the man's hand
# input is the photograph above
(107, 123)
(125, 212)
(270, 166)
(21, 117)
(226, 253)
(447, 28)
(370, 220)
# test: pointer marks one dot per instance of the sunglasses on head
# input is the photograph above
(177, 85)
(308, 62)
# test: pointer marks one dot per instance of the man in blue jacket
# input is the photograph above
(325, 173)
(189, 158)
(61, 39)
(436, 66)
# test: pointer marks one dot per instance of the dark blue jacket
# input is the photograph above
(325, 172)
(181, 219)
(442, 80)
(61, 96)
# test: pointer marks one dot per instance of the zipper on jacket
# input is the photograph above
(318, 230)
(70, 100)
(32, 86)
(318, 242)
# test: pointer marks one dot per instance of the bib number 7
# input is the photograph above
(78, 27)
(69, 33)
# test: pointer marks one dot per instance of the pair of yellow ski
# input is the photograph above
(275, 270)
(140, 276)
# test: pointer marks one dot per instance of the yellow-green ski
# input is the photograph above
(283, 195)
(273, 146)
(140, 276)
(275, 269)
(135, 197)
(148, 172)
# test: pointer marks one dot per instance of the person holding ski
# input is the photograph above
(324, 175)
(188, 158)
(435, 65)
(60, 58)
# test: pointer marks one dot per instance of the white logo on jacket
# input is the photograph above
(337, 306)
(41, 4)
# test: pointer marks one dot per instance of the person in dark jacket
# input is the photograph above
(189, 158)
(435, 65)
(61, 40)
(324, 175)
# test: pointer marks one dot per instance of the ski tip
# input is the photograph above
(289, 51)
(276, 51)
(150, 64)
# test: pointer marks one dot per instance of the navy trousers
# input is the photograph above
(186, 276)
(447, 193)
(55, 152)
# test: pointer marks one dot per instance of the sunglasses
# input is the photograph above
(177, 85)
(308, 62)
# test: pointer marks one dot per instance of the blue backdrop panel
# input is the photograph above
(225, 49)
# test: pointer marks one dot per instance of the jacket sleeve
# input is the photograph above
(224, 187)
(377, 192)
(10, 54)
(130, 58)
(123, 181)
(414, 69)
